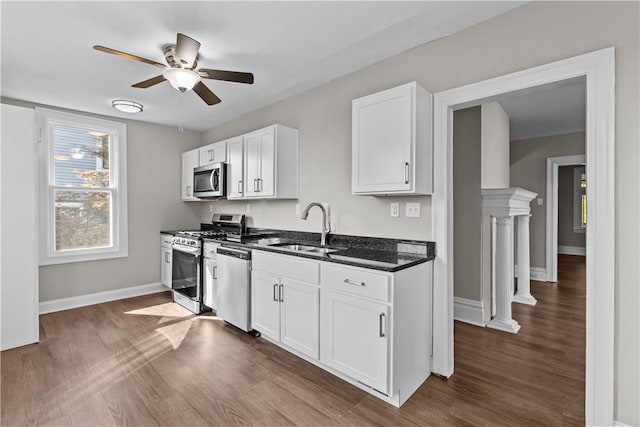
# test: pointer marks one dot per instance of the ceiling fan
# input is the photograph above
(182, 60)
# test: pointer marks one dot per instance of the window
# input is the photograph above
(579, 199)
(82, 188)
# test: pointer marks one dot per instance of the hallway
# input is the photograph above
(535, 376)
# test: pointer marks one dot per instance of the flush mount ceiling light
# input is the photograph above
(182, 79)
(126, 106)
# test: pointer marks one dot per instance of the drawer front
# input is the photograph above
(166, 239)
(358, 282)
(209, 249)
(287, 266)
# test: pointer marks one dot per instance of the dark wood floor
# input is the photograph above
(144, 361)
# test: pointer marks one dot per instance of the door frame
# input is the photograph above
(599, 69)
(551, 240)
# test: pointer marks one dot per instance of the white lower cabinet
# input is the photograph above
(356, 341)
(166, 261)
(370, 327)
(285, 309)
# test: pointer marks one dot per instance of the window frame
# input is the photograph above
(46, 119)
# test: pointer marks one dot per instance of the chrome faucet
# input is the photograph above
(326, 221)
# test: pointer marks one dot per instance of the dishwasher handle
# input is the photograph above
(235, 253)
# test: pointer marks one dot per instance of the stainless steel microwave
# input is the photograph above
(209, 181)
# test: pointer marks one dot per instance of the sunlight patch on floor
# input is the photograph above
(176, 332)
(169, 309)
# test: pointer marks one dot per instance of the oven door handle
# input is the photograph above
(187, 249)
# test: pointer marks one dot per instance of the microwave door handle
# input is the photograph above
(211, 181)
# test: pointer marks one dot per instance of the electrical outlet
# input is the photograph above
(248, 207)
(210, 208)
(395, 209)
(540, 201)
(297, 208)
(413, 210)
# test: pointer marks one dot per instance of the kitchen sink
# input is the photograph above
(296, 247)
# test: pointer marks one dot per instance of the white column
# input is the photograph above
(523, 294)
(504, 276)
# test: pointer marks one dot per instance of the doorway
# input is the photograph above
(599, 70)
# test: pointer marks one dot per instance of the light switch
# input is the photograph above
(395, 209)
(297, 208)
(540, 201)
(248, 207)
(413, 210)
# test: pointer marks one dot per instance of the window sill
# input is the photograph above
(83, 257)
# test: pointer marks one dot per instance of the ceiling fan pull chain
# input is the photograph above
(181, 112)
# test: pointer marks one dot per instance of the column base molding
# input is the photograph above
(525, 299)
(509, 325)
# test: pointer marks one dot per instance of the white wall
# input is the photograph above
(534, 34)
(495, 146)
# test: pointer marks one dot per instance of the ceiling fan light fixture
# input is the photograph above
(181, 79)
(127, 106)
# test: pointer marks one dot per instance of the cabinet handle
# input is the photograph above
(166, 257)
(281, 293)
(255, 182)
(215, 272)
(353, 282)
(275, 292)
(406, 172)
(212, 155)
(240, 187)
(383, 332)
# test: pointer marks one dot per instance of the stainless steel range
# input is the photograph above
(187, 270)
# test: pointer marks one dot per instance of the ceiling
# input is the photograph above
(47, 54)
(552, 109)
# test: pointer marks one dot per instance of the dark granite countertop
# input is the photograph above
(358, 251)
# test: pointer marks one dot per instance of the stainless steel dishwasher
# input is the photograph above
(234, 286)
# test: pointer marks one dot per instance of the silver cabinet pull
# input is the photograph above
(383, 332)
(212, 155)
(275, 292)
(215, 272)
(255, 182)
(406, 172)
(353, 282)
(281, 293)
(239, 186)
(166, 257)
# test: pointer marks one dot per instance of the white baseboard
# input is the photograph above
(100, 297)
(468, 311)
(619, 424)
(572, 250)
(535, 273)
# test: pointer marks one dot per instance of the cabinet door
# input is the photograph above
(210, 283)
(251, 164)
(356, 339)
(265, 304)
(165, 266)
(189, 161)
(300, 316)
(234, 168)
(213, 153)
(259, 163)
(266, 178)
(382, 141)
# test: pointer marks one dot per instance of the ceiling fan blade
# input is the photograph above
(187, 50)
(128, 56)
(150, 82)
(207, 96)
(228, 76)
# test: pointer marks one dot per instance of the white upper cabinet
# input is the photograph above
(189, 161)
(271, 163)
(235, 179)
(392, 142)
(213, 153)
